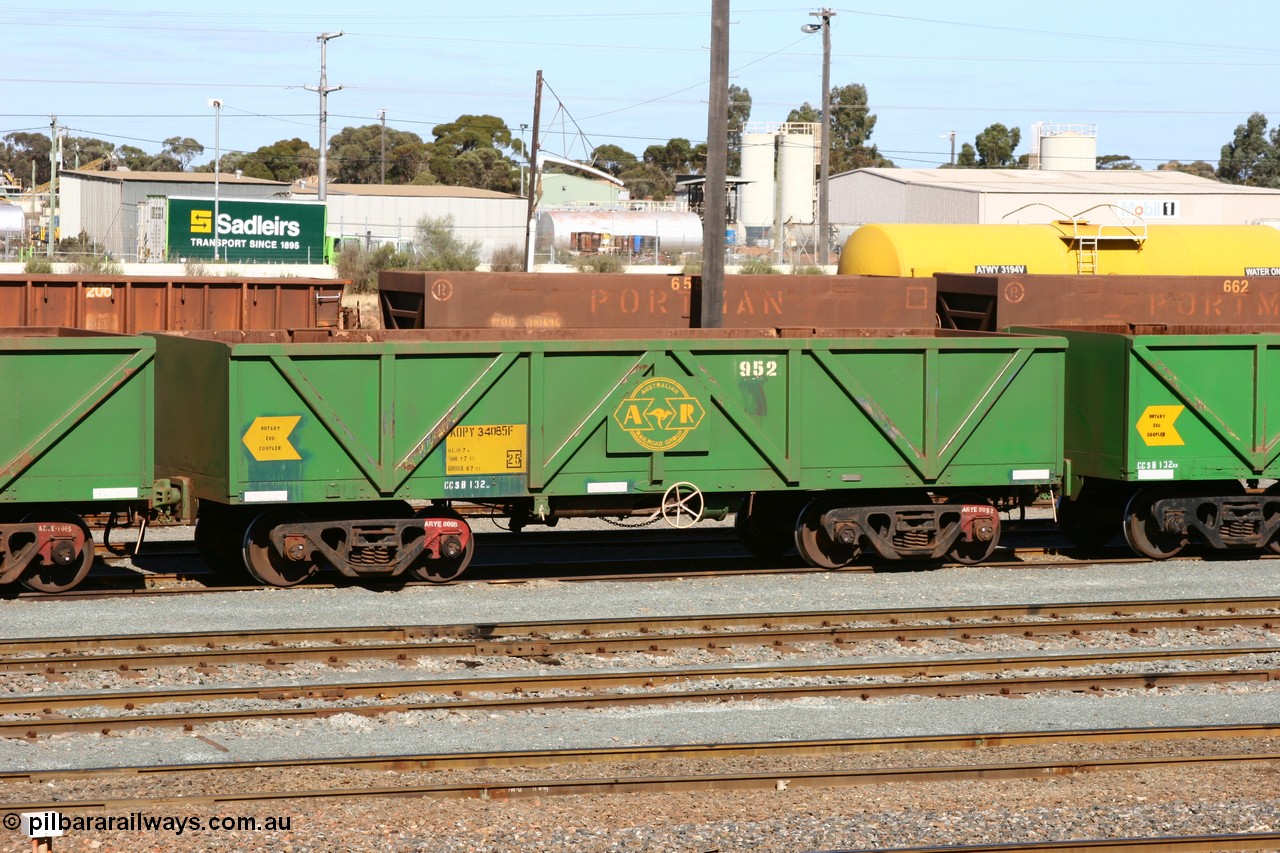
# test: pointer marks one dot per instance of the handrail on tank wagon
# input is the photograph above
(1136, 233)
(1085, 243)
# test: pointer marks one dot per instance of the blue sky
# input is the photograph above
(1161, 80)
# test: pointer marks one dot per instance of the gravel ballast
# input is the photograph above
(1237, 799)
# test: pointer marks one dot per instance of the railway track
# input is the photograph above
(52, 655)
(546, 641)
(522, 693)
(540, 788)
(769, 750)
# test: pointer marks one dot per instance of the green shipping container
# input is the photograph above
(77, 438)
(548, 423)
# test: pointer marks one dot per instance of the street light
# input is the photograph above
(324, 91)
(824, 176)
(216, 103)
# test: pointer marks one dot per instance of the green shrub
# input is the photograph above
(809, 270)
(436, 247)
(38, 266)
(361, 267)
(508, 258)
(95, 265)
(757, 266)
(598, 263)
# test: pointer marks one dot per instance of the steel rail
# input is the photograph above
(941, 688)
(707, 631)
(1269, 841)
(680, 752)
(773, 781)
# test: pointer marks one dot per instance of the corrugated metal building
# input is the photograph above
(1014, 196)
(105, 205)
(389, 213)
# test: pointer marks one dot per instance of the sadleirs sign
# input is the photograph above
(257, 230)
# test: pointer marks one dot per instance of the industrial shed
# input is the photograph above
(1020, 196)
(377, 214)
(105, 205)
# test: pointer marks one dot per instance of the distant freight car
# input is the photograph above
(133, 304)
(451, 300)
(1062, 248)
(997, 302)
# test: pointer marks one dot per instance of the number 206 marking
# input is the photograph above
(758, 367)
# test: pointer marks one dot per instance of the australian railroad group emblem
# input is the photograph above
(659, 413)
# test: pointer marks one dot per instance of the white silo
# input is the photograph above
(1067, 147)
(757, 168)
(797, 157)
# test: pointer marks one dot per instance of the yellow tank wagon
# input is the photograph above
(1062, 248)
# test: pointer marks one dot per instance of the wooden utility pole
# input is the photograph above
(530, 223)
(714, 196)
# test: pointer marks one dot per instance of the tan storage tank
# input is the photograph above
(1062, 248)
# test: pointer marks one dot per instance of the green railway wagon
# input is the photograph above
(315, 448)
(77, 439)
(1171, 436)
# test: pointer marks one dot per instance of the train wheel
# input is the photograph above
(68, 568)
(763, 532)
(1142, 531)
(443, 569)
(1274, 545)
(815, 546)
(970, 553)
(261, 559)
(1084, 526)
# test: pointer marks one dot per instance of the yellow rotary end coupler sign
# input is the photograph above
(1156, 426)
(659, 414)
(268, 438)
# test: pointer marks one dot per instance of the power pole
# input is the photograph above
(824, 179)
(713, 203)
(531, 223)
(324, 91)
(53, 186)
(382, 116)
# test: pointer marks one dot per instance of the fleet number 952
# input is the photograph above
(758, 367)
